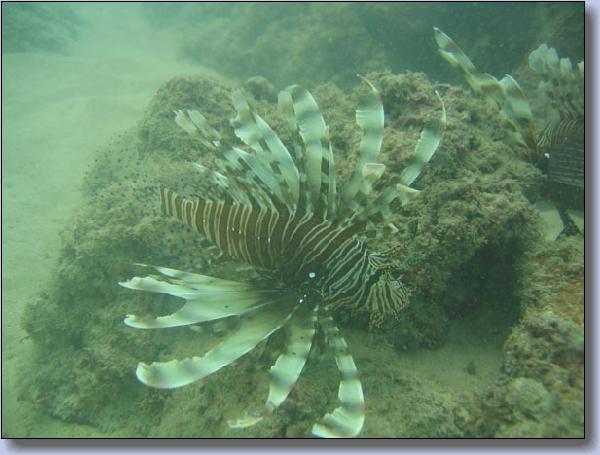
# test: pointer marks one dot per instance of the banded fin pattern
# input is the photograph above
(428, 143)
(318, 158)
(370, 118)
(207, 299)
(347, 420)
(426, 146)
(270, 151)
(289, 365)
(506, 94)
(254, 326)
(283, 215)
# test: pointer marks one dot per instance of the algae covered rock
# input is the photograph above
(462, 243)
(541, 390)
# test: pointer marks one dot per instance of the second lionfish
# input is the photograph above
(283, 215)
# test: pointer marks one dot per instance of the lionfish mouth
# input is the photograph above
(284, 216)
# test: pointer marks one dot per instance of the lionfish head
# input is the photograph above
(388, 294)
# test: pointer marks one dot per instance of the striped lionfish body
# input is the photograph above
(283, 215)
(562, 138)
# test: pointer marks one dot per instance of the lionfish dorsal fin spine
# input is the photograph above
(505, 94)
(370, 119)
(426, 146)
(270, 151)
(517, 112)
(562, 83)
(452, 53)
(312, 130)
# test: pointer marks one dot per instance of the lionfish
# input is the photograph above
(558, 149)
(562, 137)
(283, 215)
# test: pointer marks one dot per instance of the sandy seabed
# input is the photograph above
(57, 111)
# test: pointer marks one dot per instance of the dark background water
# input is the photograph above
(312, 43)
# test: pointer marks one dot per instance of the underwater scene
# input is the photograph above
(293, 220)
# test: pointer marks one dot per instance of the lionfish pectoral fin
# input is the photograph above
(207, 298)
(255, 326)
(289, 365)
(347, 420)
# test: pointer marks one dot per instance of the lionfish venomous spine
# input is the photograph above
(562, 138)
(283, 215)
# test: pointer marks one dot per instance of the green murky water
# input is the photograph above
(491, 343)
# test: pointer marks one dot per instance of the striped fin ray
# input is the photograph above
(347, 420)
(286, 106)
(516, 111)
(328, 183)
(245, 169)
(427, 145)
(481, 83)
(252, 173)
(452, 53)
(506, 94)
(370, 118)
(195, 124)
(207, 299)
(563, 84)
(289, 365)
(255, 326)
(229, 185)
(313, 131)
(270, 151)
